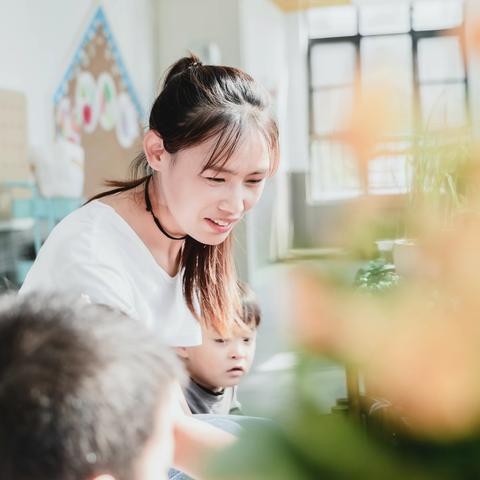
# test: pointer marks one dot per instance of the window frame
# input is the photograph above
(356, 39)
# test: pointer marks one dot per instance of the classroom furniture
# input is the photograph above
(31, 220)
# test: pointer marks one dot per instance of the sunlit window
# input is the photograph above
(418, 44)
(332, 21)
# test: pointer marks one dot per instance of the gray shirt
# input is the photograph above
(202, 400)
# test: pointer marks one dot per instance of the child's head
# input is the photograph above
(222, 360)
(85, 393)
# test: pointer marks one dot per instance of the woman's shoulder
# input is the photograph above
(94, 219)
(86, 235)
(80, 252)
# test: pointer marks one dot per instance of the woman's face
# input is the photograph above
(206, 205)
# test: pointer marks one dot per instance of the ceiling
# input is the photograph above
(291, 5)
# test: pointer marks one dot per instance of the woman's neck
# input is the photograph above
(130, 205)
(161, 214)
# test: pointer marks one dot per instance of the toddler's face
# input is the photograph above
(221, 361)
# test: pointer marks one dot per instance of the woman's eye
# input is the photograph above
(215, 179)
(247, 340)
(255, 181)
(219, 340)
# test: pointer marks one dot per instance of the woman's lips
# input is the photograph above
(224, 227)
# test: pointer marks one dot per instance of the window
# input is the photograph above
(421, 42)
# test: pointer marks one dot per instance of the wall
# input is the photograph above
(298, 128)
(187, 24)
(37, 40)
(264, 56)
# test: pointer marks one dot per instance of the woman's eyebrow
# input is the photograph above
(221, 170)
(232, 172)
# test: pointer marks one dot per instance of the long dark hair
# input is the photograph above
(198, 102)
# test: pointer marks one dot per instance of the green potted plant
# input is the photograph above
(439, 169)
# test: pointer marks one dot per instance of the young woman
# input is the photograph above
(159, 246)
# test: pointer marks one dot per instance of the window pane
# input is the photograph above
(330, 109)
(443, 106)
(333, 64)
(434, 14)
(332, 21)
(379, 18)
(389, 59)
(390, 172)
(440, 58)
(334, 174)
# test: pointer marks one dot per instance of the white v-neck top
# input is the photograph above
(93, 251)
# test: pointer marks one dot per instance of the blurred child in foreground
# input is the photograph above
(85, 394)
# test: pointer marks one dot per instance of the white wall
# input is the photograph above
(274, 50)
(297, 107)
(251, 34)
(37, 39)
(187, 24)
(262, 28)
(264, 55)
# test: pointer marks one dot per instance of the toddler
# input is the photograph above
(220, 362)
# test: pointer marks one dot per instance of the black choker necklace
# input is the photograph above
(155, 219)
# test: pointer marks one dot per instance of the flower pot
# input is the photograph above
(405, 257)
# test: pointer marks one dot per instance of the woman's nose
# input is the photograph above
(233, 202)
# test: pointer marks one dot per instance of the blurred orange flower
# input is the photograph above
(473, 34)
(419, 347)
(371, 118)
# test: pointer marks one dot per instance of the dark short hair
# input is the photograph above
(251, 313)
(80, 389)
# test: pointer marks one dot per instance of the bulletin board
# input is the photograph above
(13, 137)
(96, 106)
(14, 166)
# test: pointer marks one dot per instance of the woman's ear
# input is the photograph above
(153, 148)
(182, 352)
